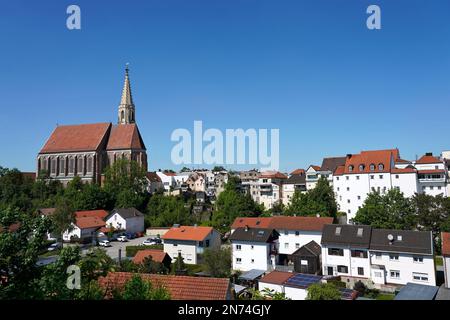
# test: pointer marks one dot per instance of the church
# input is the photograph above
(85, 150)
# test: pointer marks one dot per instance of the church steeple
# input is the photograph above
(126, 107)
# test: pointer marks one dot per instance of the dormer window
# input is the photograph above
(372, 167)
(350, 168)
(381, 167)
(338, 231)
(399, 238)
(362, 167)
(359, 233)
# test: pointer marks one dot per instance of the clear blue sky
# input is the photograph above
(310, 68)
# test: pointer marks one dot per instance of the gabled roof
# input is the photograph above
(312, 248)
(330, 164)
(254, 235)
(428, 159)
(339, 171)
(316, 168)
(89, 222)
(276, 277)
(188, 233)
(156, 255)
(102, 214)
(179, 287)
(126, 213)
(284, 223)
(446, 243)
(296, 179)
(414, 291)
(82, 137)
(298, 172)
(153, 177)
(344, 234)
(402, 161)
(262, 222)
(420, 242)
(125, 136)
(432, 171)
(273, 175)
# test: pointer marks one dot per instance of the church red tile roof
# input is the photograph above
(83, 137)
(125, 136)
(157, 255)
(179, 287)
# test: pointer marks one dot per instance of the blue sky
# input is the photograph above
(310, 68)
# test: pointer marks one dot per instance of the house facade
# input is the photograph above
(270, 188)
(129, 219)
(384, 257)
(296, 182)
(190, 242)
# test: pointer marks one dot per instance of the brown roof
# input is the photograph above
(330, 164)
(402, 161)
(317, 168)
(89, 222)
(432, 171)
(91, 213)
(153, 177)
(404, 170)
(284, 222)
(276, 277)
(180, 287)
(273, 175)
(46, 211)
(157, 255)
(298, 172)
(427, 159)
(188, 233)
(83, 137)
(125, 136)
(446, 243)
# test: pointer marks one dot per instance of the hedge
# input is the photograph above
(132, 250)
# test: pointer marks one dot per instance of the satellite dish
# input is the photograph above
(390, 237)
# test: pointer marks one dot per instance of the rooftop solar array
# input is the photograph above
(303, 280)
(413, 291)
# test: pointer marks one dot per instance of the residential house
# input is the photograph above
(197, 182)
(385, 258)
(190, 241)
(254, 248)
(432, 175)
(154, 182)
(158, 256)
(84, 229)
(312, 176)
(270, 188)
(179, 287)
(328, 167)
(446, 257)
(127, 219)
(295, 182)
(307, 258)
(249, 183)
(167, 180)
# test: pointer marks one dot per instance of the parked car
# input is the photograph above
(122, 239)
(54, 246)
(149, 242)
(104, 243)
(129, 235)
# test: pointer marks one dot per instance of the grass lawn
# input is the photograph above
(385, 296)
(49, 253)
(438, 261)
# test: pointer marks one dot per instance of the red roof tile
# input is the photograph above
(339, 171)
(427, 159)
(89, 222)
(277, 277)
(153, 177)
(157, 255)
(273, 175)
(445, 243)
(125, 136)
(403, 170)
(180, 287)
(298, 172)
(368, 158)
(188, 233)
(432, 171)
(92, 213)
(284, 223)
(83, 137)
(317, 168)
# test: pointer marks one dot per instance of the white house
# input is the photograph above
(432, 175)
(84, 229)
(167, 179)
(387, 258)
(296, 182)
(253, 248)
(312, 176)
(270, 188)
(293, 232)
(130, 220)
(446, 257)
(190, 241)
(154, 182)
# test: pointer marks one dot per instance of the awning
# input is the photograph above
(252, 274)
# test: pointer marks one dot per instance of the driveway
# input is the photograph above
(113, 251)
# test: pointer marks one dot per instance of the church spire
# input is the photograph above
(126, 107)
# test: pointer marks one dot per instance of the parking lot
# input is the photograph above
(113, 251)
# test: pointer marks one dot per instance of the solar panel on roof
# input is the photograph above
(303, 280)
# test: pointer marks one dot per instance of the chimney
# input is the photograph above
(317, 215)
(429, 154)
(246, 228)
(195, 225)
(349, 155)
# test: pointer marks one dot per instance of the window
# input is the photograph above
(342, 269)
(439, 188)
(297, 245)
(253, 260)
(286, 232)
(381, 176)
(393, 257)
(348, 188)
(286, 245)
(395, 274)
(399, 238)
(53, 166)
(360, 231)
(420, 276)
(338, 231)
(252, 247)
(372, 177)
(337, 178)
(207, 243)
(297, 233)
(372, 167)
(357, 177)
(347, 177)
(336, 252)
(378, 255)
(381, 167)
(359, 197)
(348, 200)
(62, 166)
(89, 165)
(396, 176)
(238, 260)
(71, 165)
(359, 254)
(378, 274)
(361, 167)
(238, 247)
(337, 188)
(360, 271)
(350, 168)
(431, 187)
(418, 259)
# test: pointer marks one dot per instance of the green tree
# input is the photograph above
(139, 289)
(63, 218)
(318, 201)
(167, 210)
(96, 263)
(323, 291)
(151, 266)
(217, 262)
(389, 211)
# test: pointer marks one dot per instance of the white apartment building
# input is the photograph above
(270, 188)
(253, 248)
(381, 170)
(312, 176)
(383, 257)
(190, 242)
(249, 183)
(296, 182)
(167, 180)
